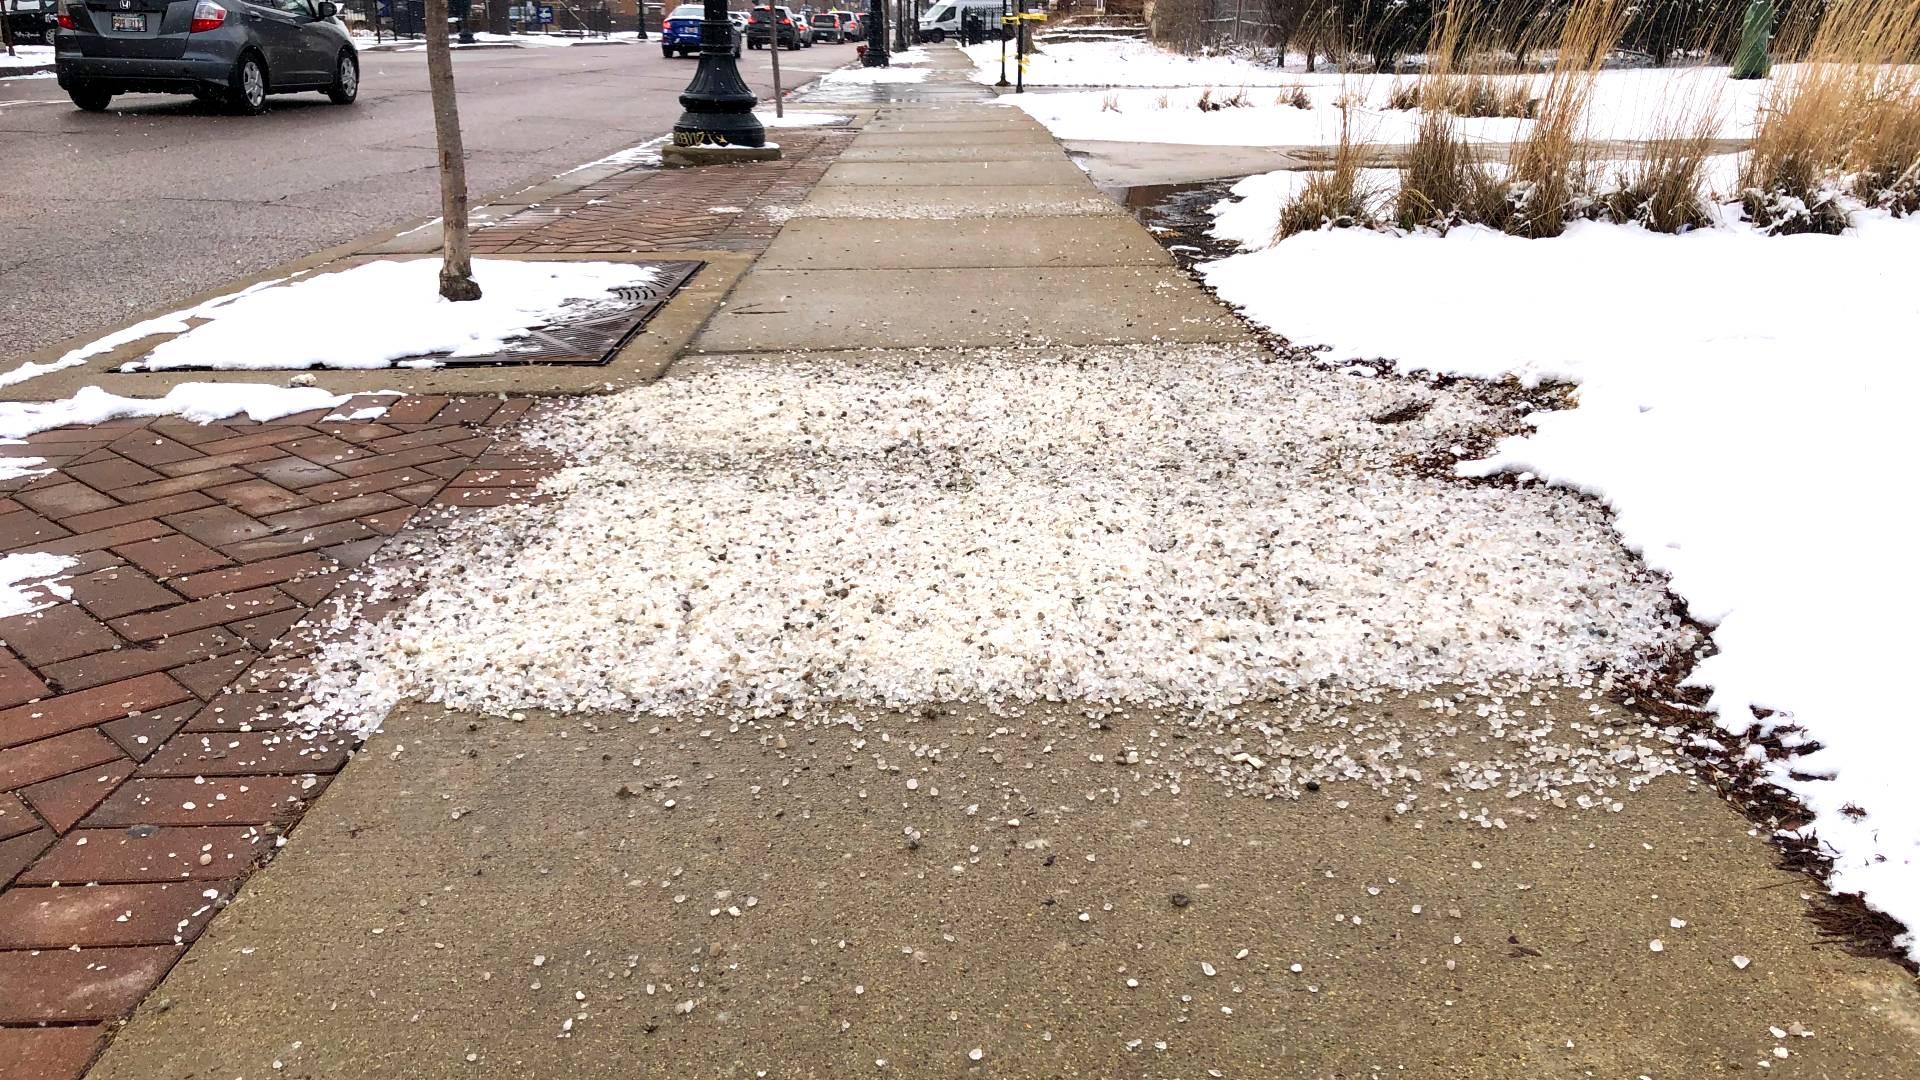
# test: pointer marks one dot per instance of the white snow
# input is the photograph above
(859, 74)
(1742, 408)
(1625, 104)
(28, 582)
(12, 468)
(369, 315)
(172, 323)
(25, 56)
(646, 153)
(801, 118)
(202, 403)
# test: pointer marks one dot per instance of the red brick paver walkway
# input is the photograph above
(139, 784)
(711, 208)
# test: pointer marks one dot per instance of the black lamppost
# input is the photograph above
(876, 34)
(719, 105)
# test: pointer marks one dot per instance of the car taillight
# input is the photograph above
(786, 22)
(207, 15)
(64, 20)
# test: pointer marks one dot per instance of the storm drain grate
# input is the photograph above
(589, 340)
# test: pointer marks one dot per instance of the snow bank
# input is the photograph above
(1625, 105)
(370, 315)
(1742, 409)
(202, 403)
(25, 56)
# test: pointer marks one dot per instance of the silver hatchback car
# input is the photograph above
(231, 51)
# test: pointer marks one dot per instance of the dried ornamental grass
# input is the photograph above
(1841, 123)
(1337, 198)
(1552, 172)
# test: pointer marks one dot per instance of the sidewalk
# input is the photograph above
(146, 769)
(941, 890)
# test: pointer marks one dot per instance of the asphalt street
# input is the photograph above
(106, 216)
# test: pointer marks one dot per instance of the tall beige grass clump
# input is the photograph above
(1552, 168)
(1845, 120)
(1664, 187)
(1336, 198)
(1442, 182)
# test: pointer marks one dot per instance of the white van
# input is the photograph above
(942, 21)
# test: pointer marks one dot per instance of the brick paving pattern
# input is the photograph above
(660, 209)
(144, 767)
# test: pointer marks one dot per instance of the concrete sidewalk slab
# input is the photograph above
(957, 130)
(942, 152)
(487, 903)
(948, 202)
(1036, 172)
(833, 244)
(904, 309)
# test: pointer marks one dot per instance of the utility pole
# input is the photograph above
(876, 35)
(1020, 65)
(773, 55)
(1003, 44)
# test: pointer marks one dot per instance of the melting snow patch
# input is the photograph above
(202, 403)
(876, 75)
(26, 582)
(797, 118)
(370, 315)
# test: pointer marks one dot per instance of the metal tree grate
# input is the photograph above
(588, 340)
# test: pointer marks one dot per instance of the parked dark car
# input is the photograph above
(236, 51)
(32, 20)
(765, 21)
(828, 26)
(680, 32)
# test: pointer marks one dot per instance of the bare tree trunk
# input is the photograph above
(456, 266)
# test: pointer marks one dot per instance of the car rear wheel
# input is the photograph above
(666, 51)
(247, 91)
(346, 79)
(90, 98)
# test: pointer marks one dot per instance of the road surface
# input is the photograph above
(108, 215)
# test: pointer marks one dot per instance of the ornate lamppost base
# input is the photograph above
(682, 156)
(719, 105)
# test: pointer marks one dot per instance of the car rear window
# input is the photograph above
(823, 20)
(689, 11)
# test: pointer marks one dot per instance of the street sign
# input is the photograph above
(545, 12)
(386, 9)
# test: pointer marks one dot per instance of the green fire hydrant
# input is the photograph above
(1756, 35)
